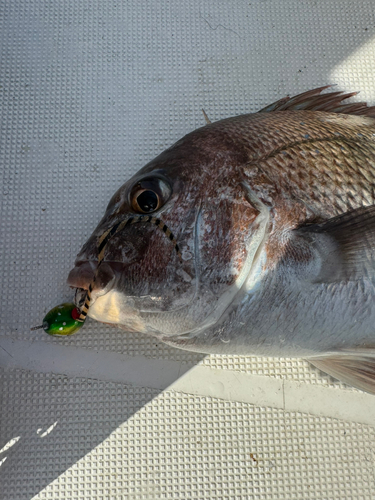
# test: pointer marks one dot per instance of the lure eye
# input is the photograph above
(149, 195)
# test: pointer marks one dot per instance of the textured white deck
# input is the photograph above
(90, 91)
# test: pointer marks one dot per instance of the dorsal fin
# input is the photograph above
(314, 100)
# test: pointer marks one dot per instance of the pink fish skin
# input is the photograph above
(274, 216)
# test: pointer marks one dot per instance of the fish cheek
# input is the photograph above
(225, 231)
(156, 279)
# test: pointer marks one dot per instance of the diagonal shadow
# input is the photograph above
(60, 419)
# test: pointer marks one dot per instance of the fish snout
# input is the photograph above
(83, 274)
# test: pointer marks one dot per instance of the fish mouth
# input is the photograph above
(111, 306)
(82, 275)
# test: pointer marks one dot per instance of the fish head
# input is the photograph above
(197, 191)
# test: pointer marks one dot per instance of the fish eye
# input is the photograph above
(149, 194)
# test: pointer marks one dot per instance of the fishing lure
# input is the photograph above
(67, 318)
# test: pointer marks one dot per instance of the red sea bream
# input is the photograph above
(274, 216)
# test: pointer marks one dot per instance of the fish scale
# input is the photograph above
(284, 129)
(324, 174)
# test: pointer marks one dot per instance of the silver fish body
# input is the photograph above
(274, 217)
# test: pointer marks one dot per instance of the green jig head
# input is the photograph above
(62, 320)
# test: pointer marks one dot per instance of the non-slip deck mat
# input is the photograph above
(90, 439)
(89, 93)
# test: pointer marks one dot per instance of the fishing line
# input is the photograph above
(66, 318)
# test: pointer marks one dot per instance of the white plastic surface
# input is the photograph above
(91, 91)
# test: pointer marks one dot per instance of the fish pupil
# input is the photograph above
(147, 201)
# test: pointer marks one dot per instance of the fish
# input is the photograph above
(273, 216)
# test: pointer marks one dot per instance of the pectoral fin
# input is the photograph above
(344, 245)
(355, 369)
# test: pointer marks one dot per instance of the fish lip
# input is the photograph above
(79, 297)
(83, 274)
